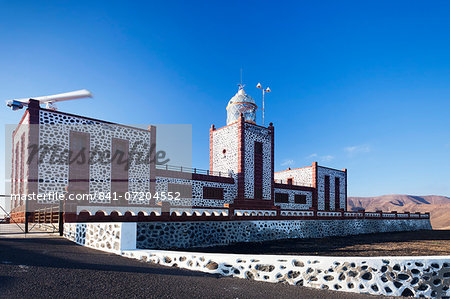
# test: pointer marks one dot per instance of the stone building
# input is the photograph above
(240, 184)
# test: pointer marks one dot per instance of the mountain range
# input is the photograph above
(438, 206)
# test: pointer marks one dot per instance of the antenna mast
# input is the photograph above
(241, 76)
(241, 85)
(264, 90)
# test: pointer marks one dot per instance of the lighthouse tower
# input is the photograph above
(245, 149)
(243, 104)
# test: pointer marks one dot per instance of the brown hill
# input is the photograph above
(438, 206)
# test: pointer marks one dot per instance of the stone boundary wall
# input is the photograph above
(171, 235)
(105, 236)
(394, 276)
(427, 276)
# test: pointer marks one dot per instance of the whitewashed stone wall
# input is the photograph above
(321, 173)
(54, 130)
(165, 235)
(106, 236)
(225, 139)
(301, 176)
(419, 276)
(120, 210)
(292, 205)
(257, 134)
(229, 194)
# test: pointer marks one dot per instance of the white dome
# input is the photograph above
(241, 97)
(241, 103)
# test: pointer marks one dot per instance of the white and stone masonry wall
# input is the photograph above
(291, 204)
(168, 235)
(300, 176)
(225, 149)
(332, 173)
(229, 192)
(106, 236)
(393, 276)
(254, 134)
(54, 130)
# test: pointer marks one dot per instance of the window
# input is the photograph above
(282, 197)
(212, 193)
(258, 193)
(258, 170)
(185, 190)
(16, 172)
(336, 193)
(22, 165)
(327, 193)
(258, 148)
(79, 164)
(300, 198)
(289, 181)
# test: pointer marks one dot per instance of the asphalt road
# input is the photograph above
(42, 267)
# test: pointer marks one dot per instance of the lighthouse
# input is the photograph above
(241, 103)
(245, 149)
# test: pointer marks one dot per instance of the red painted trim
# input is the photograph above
(22, 188)
(327, 193)
(241, 158)
(211, 150)
(346, 200)
(166, 217)
(152, 130)
(77, 183)
(337, 193)
(258, 170)
(119, 176)
(315, 175)
(20, 123)
(33, 138)
(272, 162)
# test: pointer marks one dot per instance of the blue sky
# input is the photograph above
(363, 85)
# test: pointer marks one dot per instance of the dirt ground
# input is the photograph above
(436, 242)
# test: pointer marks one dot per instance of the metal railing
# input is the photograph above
(4, 215)
(46, 218)
(194, 170)
(43, 218)
(295, 183)
(46, 215)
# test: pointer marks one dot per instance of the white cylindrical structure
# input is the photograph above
(241, 103)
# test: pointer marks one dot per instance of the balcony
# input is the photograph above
(194, 170)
